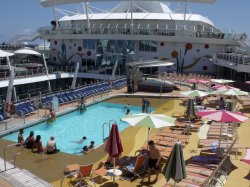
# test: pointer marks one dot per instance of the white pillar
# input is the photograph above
(47, 73)
(73, 85)
(14, 93)
(10, 86)
(87, 16)
(132, 21)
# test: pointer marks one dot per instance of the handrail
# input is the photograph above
(70, 175)
(18, 153)
(207, 181)
(103, 138)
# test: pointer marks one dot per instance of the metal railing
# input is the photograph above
(209, 182)
(177, 31)
(15, 156)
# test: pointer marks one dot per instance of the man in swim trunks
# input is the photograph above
(20, 137)
(51, 146)
(52, 115)
(154, 159)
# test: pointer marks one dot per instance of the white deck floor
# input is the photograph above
(20, 177)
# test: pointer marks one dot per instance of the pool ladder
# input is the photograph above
(109, 127)
(15, 156)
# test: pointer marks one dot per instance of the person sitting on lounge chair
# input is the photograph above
(154, 159)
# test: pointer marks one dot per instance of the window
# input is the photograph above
(148, 46)
(89, 44)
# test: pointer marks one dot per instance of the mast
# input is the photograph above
(87, 15)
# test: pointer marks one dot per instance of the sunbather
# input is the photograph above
(154, 159)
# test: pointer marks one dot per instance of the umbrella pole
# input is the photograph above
(220, 134)
(148, 138)
(114, 172)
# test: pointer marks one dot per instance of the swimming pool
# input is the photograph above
(69, 128)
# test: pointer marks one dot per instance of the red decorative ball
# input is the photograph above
(189, 46)
(88, 53)
(174, 54)
(206, 46)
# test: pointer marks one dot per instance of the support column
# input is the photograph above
(73, 85)
(87, 15)
(132, 20)
(47, 73)
(14, 93)
(10, 86)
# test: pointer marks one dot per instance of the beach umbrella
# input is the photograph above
(149, 120)
(194, 93)
(224, 87)
(190, 109)
(5, 54)
(114, 146)
(230, 92)
(246, 158)
(175, 166)
(197, 81)
(221, 81)
(223, 116)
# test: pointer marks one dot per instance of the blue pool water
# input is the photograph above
(73, 126)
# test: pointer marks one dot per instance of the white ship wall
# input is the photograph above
(196, 59)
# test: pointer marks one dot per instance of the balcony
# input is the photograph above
(235, 61)
(149, 30)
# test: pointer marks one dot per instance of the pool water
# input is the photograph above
(69, 129)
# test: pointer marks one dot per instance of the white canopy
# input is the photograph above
(27, 52)
(5, 54)
(51, 3)
(157, 65)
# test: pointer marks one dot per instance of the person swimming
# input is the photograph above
(84, 138)
(85, 149)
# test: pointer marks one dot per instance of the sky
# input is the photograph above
(26, 16)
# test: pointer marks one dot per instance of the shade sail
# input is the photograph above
(51, 3)
(27, 52)
(5, 54)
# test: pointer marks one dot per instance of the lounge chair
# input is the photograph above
(199, 170)
(84, 172)
(136, 168)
